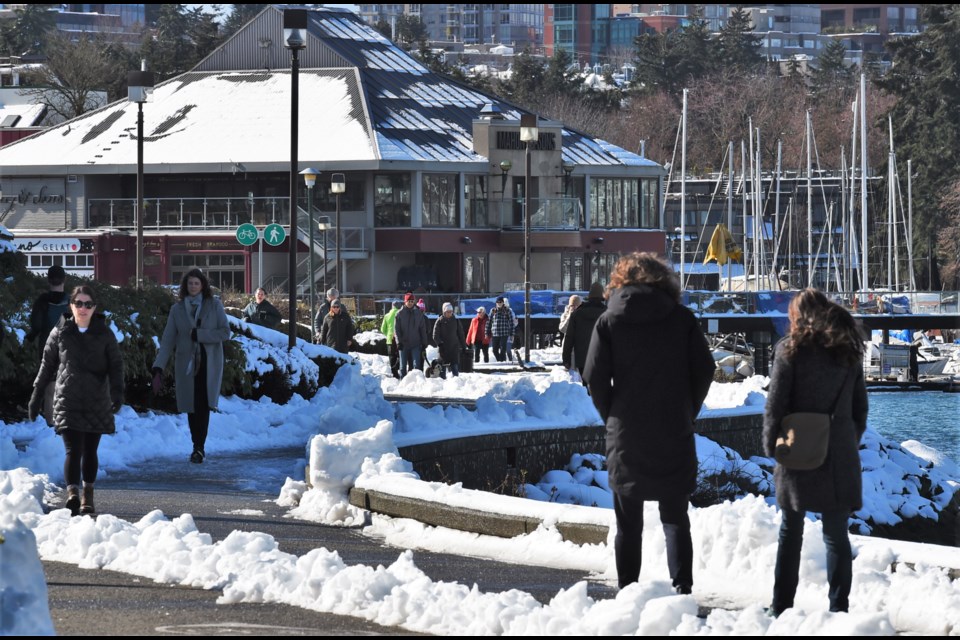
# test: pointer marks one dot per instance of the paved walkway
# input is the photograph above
(86, 602)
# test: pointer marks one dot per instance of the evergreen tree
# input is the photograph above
(28, 32)
(411, 32)
(673, 60)
(738, 48)
(926, 116)
(832, 79)
(383, 27)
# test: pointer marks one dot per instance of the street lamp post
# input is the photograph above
(310, 178)
(338, 185)
(323, 224)
(295, 39)
(528, 134)
(140, 90)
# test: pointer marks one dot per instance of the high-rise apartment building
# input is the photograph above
(518, 25)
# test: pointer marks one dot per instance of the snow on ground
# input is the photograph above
(353, 435)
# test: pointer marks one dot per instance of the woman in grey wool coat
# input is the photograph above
(82, 356)
(818, 368)
(196, 330)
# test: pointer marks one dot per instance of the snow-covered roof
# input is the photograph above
(211, 122)
(363, 101)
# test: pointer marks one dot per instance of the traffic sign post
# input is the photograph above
(247, 234)
(274, 235)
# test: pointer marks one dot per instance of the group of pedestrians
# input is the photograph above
(648, 369)
(642, 355)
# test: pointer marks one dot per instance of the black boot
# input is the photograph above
(197, 456)
(73, 499)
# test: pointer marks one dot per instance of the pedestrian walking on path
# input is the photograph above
(195, 332)
(83, 360)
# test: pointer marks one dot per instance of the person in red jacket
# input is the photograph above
(477, 336)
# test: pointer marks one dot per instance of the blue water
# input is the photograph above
(931, 417)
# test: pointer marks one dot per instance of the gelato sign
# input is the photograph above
(26, 197)
(48, 245)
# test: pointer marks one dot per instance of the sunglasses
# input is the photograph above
(85, 304)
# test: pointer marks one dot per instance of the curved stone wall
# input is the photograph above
(501, 461)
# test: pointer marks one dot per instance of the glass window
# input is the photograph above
(324, 200)
(439, 199)
(476, 205)
(602, 265)
(391, 204)
(623, 202)
(475, 267)
(224, 270)
(571, 272)
(562, 12)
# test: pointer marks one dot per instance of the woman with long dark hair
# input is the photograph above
(196, 330)
(818, 368)
(82, 356)
(648, 368)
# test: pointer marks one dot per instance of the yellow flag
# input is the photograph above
(722, 248)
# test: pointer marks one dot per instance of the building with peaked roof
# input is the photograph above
(434, 176)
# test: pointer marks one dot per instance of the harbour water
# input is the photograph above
(930, 417)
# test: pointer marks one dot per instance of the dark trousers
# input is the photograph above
(477, 348)
(394, 355)
(499, 347)
(628, 544)
(81, 460)
(199, 419)
(839, 559)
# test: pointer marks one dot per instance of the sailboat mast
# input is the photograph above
(809, 206)
(851, 229)
(913, 280)
(683, 193)
(891, 208)
(776, 215)
(746, 245)
(729, 206)
(864, 249)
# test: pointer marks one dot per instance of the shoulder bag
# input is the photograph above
(805, 436)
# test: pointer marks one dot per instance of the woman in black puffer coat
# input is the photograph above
(649, 369)
(82, 355)
(818, 368)
(337, 329)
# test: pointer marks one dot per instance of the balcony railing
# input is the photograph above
(228, 213)
(187, 213)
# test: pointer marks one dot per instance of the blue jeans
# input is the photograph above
(839, 559)
(410, 359)
(628, 544)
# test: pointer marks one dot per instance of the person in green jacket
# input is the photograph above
(386, 328)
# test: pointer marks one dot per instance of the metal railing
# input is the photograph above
(228, 213)
(876, 302)
(187, 213)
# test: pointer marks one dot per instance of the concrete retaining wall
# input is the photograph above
(501, 461)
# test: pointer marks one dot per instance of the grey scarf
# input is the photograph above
(193, 305)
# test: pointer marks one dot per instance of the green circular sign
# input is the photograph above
(247, 234)
(274, 234)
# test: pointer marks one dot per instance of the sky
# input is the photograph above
(352, 434)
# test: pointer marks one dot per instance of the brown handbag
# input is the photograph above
(805, 437)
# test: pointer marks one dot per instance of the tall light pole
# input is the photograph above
(323, 224)
(295, 39)
(310, 177)
(140, 90)
(528, 134)
(338, 185)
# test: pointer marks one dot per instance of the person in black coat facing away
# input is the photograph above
(448, 336)
(649, 369)
(818, 368)
(337, 329)
(82, 356)
(579, 329)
